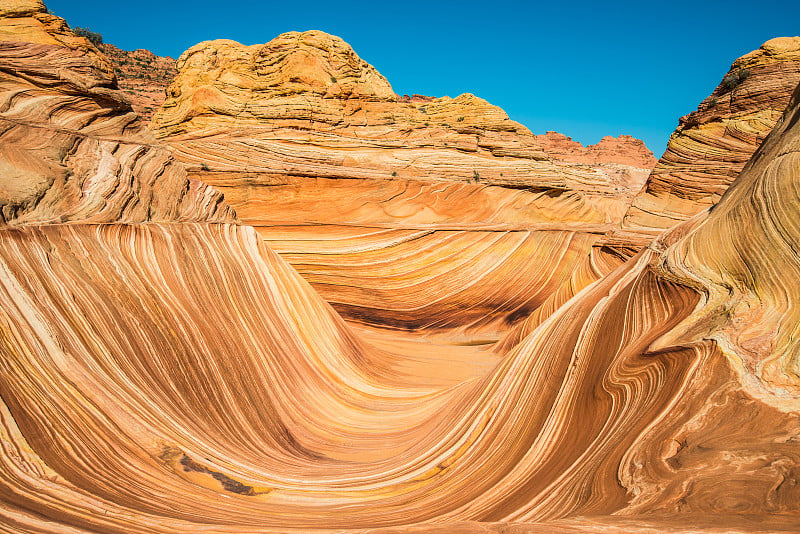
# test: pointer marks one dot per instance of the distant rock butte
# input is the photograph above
(711, 145)
(71, 148)
(622, 150)
(142, 76)
(311, 145)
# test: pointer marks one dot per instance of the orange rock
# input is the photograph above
(179, 376)
(310, 143)
(71, 148)
(711, 145)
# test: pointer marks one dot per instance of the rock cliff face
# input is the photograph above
(316, 105)
(711, 145)
(179, 376)
(142, 76)
(71, 148)
(349, 182)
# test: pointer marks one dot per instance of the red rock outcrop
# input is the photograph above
(142, 76)
(622, 150)
(348, 182)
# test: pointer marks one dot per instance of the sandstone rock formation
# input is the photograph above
(622, 150)
(142, 76)
(350, 183)
(65, 128)
(711, 145)
(705, 153)
(179, 376)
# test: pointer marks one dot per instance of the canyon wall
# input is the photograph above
(65, 126)
(711, 145)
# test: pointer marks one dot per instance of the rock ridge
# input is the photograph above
(711, 145)
(622, 150)
(179, 376)
(311, 145)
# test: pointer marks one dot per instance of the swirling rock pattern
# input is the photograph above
(351, 183)
(742, 257)
(268, 414)
(178, 376)
(711, 145)
(71, 149)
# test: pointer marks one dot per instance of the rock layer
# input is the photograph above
(71, 148)
(712, 144)
(181, 377)
(306, 105)
(311, 146)
(706, 152)
(266, 413)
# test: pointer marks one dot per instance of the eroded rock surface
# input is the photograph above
(179, 376)
(142, 76)
(622, 150)
(350, 183)
(711, 145)
(71, 148)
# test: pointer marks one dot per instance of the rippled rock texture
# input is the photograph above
(179, 376)
(71, 148)
(711, 145)
(354, 185)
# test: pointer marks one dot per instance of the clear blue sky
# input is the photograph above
(583, 68)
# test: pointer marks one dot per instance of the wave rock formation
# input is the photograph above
(354, 185)
(64, 127)
(164, 373)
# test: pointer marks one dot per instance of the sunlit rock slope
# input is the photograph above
(173, 374)
(706, 152)
(712, 145)
(473, 223)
